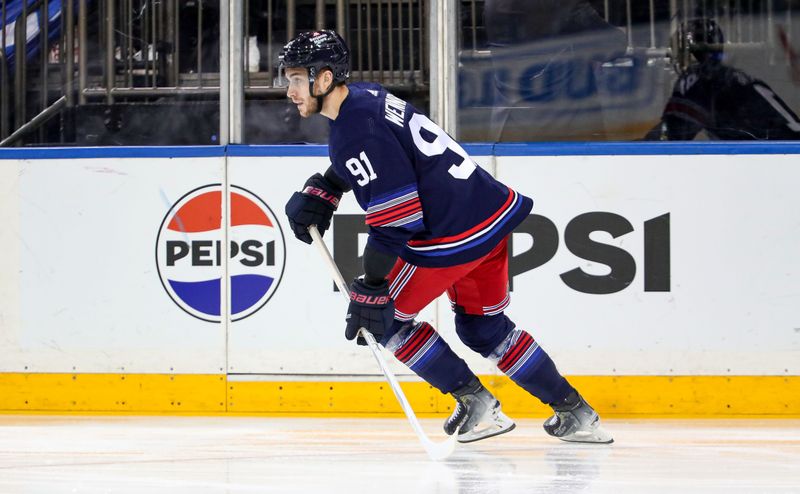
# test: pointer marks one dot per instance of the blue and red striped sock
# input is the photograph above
(421, 348)
(522, 359)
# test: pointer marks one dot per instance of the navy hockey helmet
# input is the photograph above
(698, 38)
(317, 51)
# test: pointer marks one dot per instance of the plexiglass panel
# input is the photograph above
(109, 72)
(388, 45)
(578, 70)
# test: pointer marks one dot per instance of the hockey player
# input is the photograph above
(437, 222)
(725, 102)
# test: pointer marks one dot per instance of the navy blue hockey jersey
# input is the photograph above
(728, 104)
(426, 200)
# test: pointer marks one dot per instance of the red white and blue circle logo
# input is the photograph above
(189, 253)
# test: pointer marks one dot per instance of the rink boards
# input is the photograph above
(661, 281)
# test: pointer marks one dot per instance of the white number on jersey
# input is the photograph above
(686, 83)
(357, 169)
(439, 145)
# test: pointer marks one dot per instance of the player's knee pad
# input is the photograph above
(483, 334)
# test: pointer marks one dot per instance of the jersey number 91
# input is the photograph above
(362, 169)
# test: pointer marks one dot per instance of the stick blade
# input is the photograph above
(441, 450)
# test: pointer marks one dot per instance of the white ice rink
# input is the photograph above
(120, 454)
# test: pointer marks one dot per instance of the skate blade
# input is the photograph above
(500, 425)
(597, 435)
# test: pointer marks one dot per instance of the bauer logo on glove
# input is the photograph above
(314, 206)
(370, 308)
(368, 299)
(333, 199)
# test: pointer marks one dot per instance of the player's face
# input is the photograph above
(298, 91)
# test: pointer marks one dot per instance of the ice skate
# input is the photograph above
(576, 421)
(477, 415)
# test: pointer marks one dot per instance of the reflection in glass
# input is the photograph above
(542, 70)
(146, 72)
(711, 96)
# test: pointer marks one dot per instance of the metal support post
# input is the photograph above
(443, 53)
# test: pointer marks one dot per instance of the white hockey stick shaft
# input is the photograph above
(437, 451)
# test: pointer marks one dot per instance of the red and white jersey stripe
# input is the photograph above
(401, 208)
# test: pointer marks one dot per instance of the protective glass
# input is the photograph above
(142, 73)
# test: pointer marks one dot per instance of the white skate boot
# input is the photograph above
(477, 414)
(576, 421)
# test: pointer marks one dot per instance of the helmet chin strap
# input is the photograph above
(320, 98)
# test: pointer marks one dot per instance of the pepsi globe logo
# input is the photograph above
(189, 253)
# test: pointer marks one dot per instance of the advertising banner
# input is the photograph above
(87, 291)
(659, 264)
(627, 265)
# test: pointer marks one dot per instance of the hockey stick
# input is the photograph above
(437, 451)
(791, 55)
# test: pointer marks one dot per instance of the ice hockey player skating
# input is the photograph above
(437, 222)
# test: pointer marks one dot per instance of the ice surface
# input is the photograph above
(124, 454)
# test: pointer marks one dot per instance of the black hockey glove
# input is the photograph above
(314, 206)
(370, 308)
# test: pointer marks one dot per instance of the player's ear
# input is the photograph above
(327, 79)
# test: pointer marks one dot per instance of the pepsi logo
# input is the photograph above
(189, 253)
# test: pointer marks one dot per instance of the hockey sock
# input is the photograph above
(527, 364)
(421, 348)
